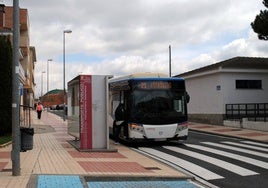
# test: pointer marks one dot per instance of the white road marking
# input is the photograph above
(231, 155)
(217, 162)
(247, 146)
(255, 143)
(237, 149)
(193, 168)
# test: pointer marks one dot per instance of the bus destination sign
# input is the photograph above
(155, 85)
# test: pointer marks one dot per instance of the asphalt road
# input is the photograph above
(218, 161)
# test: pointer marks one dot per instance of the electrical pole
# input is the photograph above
(15, 153)
(169, 60)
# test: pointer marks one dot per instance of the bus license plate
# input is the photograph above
(160, 139)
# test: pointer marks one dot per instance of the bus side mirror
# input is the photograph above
(187, 97)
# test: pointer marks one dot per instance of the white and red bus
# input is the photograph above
(148, 107)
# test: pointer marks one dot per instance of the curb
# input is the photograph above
(229, 136)
(6, 144)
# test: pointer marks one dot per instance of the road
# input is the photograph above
(217, 161)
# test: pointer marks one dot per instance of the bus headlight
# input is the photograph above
(182, 126)
(136, 127)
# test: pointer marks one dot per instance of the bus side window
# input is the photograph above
(120, 112)
(178, 105)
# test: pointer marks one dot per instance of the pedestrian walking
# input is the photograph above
(39, 109)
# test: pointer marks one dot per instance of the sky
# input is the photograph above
(121, 37)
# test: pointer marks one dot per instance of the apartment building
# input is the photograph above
(27, 52)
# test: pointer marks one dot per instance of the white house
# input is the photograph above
(240, 80)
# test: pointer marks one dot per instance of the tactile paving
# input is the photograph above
(141, 184)
(57, 181)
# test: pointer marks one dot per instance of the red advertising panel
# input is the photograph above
(85, 87)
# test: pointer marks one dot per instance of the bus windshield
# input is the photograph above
(163, 106)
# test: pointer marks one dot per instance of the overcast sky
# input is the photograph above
(120, 37)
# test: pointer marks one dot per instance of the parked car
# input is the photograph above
(53, 107)
(61, 107)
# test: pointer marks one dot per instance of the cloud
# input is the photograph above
(120, 37)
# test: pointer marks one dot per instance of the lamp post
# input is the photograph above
(47, 98)
(15, 153)
(64, 93)
(42, 83)
(48, 74)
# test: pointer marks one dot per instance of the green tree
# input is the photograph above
(5, 85)
(260, 24)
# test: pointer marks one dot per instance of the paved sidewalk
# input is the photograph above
(52, 154)
(254, 135)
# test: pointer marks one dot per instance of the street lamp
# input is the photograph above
(42, 83)
(48, 74)
(64, 95)
(47, 98)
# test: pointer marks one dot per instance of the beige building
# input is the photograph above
(27, 52)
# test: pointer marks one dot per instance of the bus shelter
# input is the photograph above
(87, 112)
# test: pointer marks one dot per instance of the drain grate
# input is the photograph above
(236, 130)
(152, 168)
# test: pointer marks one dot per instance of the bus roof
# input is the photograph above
(159, 79)
(144, 76)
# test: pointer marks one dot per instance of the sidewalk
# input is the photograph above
(254, 135)
(52, 154)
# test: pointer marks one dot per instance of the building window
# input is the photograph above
(248, 84)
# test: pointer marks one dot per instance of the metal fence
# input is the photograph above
(25, 116)
(252, 111)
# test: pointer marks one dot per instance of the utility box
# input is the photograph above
(88, 112)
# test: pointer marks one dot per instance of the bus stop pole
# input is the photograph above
(15, 154)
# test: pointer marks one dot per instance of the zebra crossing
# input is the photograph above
(215, 161)
(231, 155)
